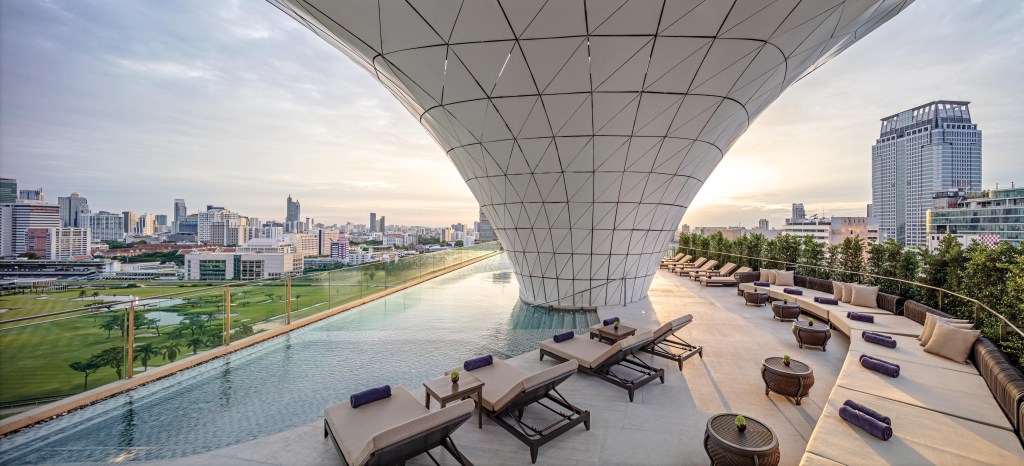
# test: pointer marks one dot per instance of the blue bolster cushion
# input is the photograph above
(793, 291)
(880, 366)
(861, 317)
(610, 321)
(879, 339)
(564, 336)
(868, 423)
(369, 396)
(478, 362)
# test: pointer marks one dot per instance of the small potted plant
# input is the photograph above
(786, 359)
(616, 325)
(455, 376)
(810, 321)
(785, 301)
(741, 423)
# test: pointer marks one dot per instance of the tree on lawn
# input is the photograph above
(245, 330)
(112, 357)
(145, 352)
(95, 296)
(110, 324)
(81, 293)
(170, 351)
(85, 367)
(195, 344)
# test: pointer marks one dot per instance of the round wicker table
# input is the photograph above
(785, 311)
(792, 381)
(726, 445)
(757, 298)
(811, 335)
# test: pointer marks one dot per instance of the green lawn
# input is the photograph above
(34, 358)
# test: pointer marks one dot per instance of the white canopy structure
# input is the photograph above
(585, 128)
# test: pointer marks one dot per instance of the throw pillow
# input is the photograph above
(773, 276)
(783, 278)
(863, 296)
(929, 326)
(837, 290)
(764, 275)
(847, 293)
(951, 342)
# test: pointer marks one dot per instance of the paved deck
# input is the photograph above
(664, 425)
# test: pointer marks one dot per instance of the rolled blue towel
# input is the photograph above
(879, 339)
(824, 300)
(369, 396)
(861, 317)
(762, 284)
(865, 422)
(793, 291)
(564, 336)
(870, 412)
(880, 366)
(478, 362)
(610, 321)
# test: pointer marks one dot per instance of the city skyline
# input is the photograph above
(251, 97)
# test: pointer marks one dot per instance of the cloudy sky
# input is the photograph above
(136, 103)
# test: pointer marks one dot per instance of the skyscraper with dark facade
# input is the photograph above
(919, 152)
(373, 222)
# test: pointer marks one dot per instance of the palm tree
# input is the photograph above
(81, 293)
(195, 344)
(145, 352)
(170, 351)
(110, 324)
(95, 296)
(87, 367)
(112, 357)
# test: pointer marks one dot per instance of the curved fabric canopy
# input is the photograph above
(585, 128)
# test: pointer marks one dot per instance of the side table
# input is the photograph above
(756, 298)
(726, 445)
(811, 335)
(612, 334)
(444, 391)
(793, 381)
(785, 311)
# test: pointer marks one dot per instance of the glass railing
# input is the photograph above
(82, 335)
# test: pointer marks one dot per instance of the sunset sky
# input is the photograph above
(134, 104)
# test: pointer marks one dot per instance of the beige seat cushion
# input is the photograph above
(810, 459)
(920, 436)
(421, 424)
(884, 322)
(589, 353)
(502, 382)
(548, 374)
(783, 278)
(863, 295)
(354, 428)
(951, 342)
(929, 326)
(906, 350)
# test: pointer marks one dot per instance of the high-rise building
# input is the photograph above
(145, 225)
(798, 213)
(373, 222)
(991, 217)
(105, 226)
(834, 230)
(161, 220)
(131, 219)
(15, 221)
(485, 232)
(383, 226)
(339, 248)
(293, 211)
(218, 225)
(8, 190)
(71, 207)
(921, 151)
(32, 195)
(58, 243)
(762, 224)
(180, 212)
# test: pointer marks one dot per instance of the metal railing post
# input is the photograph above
(940, 299)
(130, 350)
(227, 315)
(288, 298)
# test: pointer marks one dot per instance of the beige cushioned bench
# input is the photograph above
(920, 436)
(371, 427)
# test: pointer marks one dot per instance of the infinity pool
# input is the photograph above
(404, 339)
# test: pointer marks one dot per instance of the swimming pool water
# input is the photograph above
(404, 339)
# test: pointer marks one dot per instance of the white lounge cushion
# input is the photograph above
(502, 382)
(863, 295)
(589, 353)
(354, 428)
(951, 342)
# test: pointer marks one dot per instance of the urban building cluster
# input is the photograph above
(216, 243)
(925, 184)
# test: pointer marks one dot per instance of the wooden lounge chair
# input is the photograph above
(682, 265)
(664, 341)
(680, 258)
(707, 266)
(725, 281)
(509, 390)
(393, 430)
(601, 360)
(724, 270)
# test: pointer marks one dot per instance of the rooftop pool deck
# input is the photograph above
(664, 425)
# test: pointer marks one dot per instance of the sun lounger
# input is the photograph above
(723, 271)
(394, 429)
(697, 263)
(725, 281)
(707, 266)
(601, 360)
(509, 390)
(664, 341)
(679, 258)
